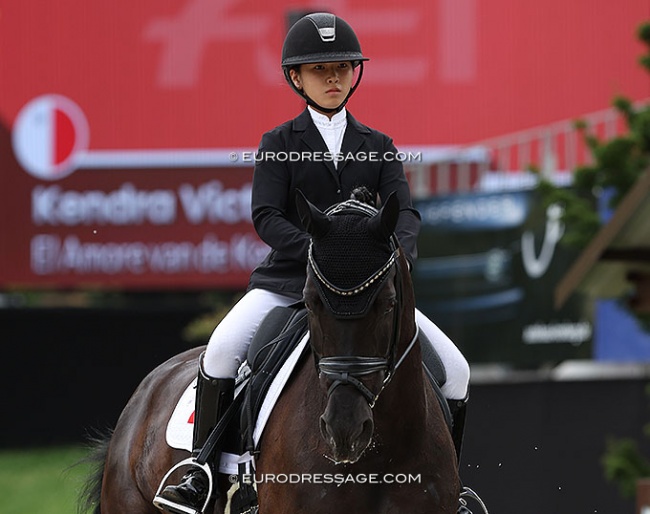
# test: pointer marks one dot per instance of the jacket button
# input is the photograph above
(338, 191)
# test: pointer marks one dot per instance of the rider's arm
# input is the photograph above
(270, 203)
(408, 224)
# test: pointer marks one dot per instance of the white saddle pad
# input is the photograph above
(181, 423)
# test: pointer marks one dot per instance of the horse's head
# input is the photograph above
(353, 294)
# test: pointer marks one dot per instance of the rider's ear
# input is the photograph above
(384, 223)
(316, 223)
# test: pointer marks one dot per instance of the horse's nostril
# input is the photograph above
(325, 430)
(359, 431)
(368, 427)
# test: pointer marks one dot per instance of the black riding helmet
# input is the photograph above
(321, 37)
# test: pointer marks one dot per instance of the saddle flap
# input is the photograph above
(431, 360)
(275, 323)
(279, 334)
(435, 371)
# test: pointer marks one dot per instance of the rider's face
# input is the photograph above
(327, 83)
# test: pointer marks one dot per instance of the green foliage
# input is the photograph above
(624, 465)
(578, 212)
(618, 164)
(644, 35)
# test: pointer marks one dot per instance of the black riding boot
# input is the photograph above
(213, 397)
(458, 409)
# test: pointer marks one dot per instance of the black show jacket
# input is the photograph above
(293, 156)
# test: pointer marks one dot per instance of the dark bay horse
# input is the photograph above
(365, 389)
(358, 427)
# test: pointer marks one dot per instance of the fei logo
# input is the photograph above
(48, 135)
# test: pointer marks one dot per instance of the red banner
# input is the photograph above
(135, 228)
(123, 129)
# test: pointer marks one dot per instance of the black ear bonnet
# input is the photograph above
(351, 260)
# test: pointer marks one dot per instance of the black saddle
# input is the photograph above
(274, 341)
(435, 371)
(273, 329)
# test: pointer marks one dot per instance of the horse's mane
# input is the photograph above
(362, 194)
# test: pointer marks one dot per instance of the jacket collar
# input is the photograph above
(352, 139)
(303, 120)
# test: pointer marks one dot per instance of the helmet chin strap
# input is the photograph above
(328, 110)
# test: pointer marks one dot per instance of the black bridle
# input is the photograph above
(346, 369)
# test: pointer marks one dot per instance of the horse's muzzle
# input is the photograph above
(347, 425)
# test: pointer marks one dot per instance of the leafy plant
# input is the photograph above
(623, 463)
(618, 164)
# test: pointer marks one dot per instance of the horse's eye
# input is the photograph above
(310, 305)
(390, 305)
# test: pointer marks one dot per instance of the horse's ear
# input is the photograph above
(316, 223)
(386, 220)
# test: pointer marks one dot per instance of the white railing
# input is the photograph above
(555, 147)
(503, 162)
(446, 169)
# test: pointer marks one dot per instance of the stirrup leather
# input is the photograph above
(176, 508)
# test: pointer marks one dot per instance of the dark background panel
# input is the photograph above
(66, 371)
(537, 447)
(532, 446)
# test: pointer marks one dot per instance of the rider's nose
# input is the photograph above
(333, 75)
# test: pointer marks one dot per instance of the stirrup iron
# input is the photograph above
(176, 508)
(466, 492)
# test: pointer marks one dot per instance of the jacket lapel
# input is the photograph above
(312, 138)
(352, 139)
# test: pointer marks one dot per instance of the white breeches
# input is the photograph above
(230, 340)
(457, 384)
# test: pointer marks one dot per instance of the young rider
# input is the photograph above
(321, 56)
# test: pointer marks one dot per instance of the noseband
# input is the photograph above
(346, 369)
